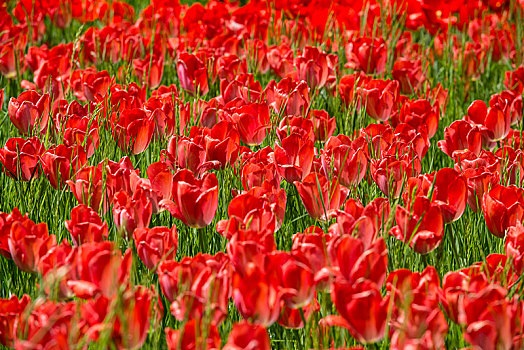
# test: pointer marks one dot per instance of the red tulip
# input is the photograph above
(312, 67)
(197, 286)
(409, 74)
(488, 317)
(96, 85)
(149, 70)
(298, 279)
(348, 86)
(87, 187)
(56, 318)
(494, 121)
(446, 188)
(509, 103)
(390, 173)
(288, 97)
(353, 262)
(155, 244)
(259, 168)
(183, 152)
(367, 54)
(362, 223)
(131, 212)
(195, 201)
(419, 114)
(515, 246)
(478, 176)
(192, 74)
(294, 158)
(362, 310)
(61, 163)
(515, 80)
(280, 59)
(20, 158)
(8, 54)
(379, 98)
(6, 221)
(133, 130)
(192, 336)
(81, 131)
(248, 212)
(246, 336)
(320, 205)
(253, 121)
(323, 125)
(257, 296)
(243, 88)
(29, 112)
(10, 313)
(416, 320)
(28, 243)
(461, 135)
(312, 246)
(86, 226)
(99, 269)
(349, 163)
(295, 125)
(161, 181)
(222, 144)
(137, 314)
(294, 318)
(421, 225)
(502, 208)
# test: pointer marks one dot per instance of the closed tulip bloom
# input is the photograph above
(321, 205)
(247, 336)
(86, 225)
(363, 311)
(420, 226)
(195, 201)
(502, 208)
(155, 244)
(294, 158)
(29, 112)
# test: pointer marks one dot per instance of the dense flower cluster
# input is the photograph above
(305, 103)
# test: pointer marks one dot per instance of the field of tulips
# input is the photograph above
(277, 174)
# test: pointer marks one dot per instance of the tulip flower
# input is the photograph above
(155, 244)
(62, 162)
(29, 112)
(86, 226)
(20, 158)
(195, 201)
(192, 74)
(192, 336)
(367, 54)
(245, 335)
(421, 225)
(294, 158)
(149, 70)
(363, 311)
(133, 131)
(10, 312)
(131, 212)
(503, 207)
(252, 121)
(321, 205)
(28, 243)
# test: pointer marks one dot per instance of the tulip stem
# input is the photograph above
(202, 239)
